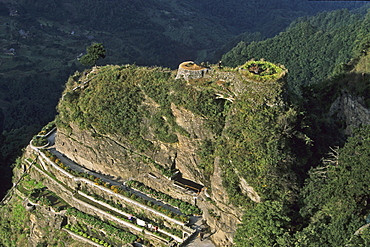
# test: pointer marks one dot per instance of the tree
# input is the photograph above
(336, 196)
(267, 224)
(94, 52)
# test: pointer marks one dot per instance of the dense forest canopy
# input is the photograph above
(335, 203)
(311, 48)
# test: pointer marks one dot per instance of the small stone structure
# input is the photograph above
(190, 70)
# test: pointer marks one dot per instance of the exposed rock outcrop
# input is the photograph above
(43, 220)
(111, 156)
(350, 111)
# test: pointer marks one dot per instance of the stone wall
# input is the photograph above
(187, 71)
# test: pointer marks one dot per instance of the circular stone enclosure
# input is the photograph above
(262, 71)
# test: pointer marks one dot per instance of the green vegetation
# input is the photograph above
(206, 154)
(14, 230)
(266, 224)
(162, 129)
(46, 197)
(259, 140)
(310, 49)
(187, 208)
(15, 219)
(167, 172)
(336, 194)
(31, 184)
(47, 128)
(255, 145)
(112, 103)
(332, 203)
(150, 219)
(201, 101)
(39, 141)
(262, 71)
(85, 235)
(123, 236)
(94, 53)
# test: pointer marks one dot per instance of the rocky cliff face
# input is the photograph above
(112, 155)
(183, 120)
(350, 111)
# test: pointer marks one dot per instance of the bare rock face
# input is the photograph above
(99, 153)
(111, 155)
(43, 221)
(249, 190)
(221, 214)
(186, 158)
(350, 111)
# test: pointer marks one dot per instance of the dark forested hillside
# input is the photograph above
(335, 203)
(312, 49)
(266, 17)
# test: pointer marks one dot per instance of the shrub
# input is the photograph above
(39, 141)
(265, 71)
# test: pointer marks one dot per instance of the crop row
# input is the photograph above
(85, 235)
(125, 237)
(185, 207)
(131, 211)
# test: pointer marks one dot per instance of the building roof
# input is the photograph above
(190, 65)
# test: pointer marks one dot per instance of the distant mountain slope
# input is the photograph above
(174, 30)
(267, 17)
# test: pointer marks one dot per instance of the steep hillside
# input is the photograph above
(208, 149)
(332, 206)
(250, 155)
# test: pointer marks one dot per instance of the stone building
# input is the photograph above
(190, 70)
